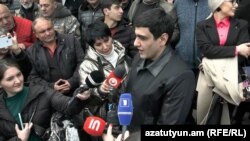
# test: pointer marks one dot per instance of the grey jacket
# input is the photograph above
(65, 22)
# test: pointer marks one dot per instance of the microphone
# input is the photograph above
(94, 126)
(125, 111)
(114, 80)
(94, 79)
(115, 77)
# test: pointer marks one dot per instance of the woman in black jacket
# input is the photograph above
(34, 104)
(222, 36)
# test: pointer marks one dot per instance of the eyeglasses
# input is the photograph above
(232, 1)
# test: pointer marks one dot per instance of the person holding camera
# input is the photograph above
(9, 49)
(22, 27)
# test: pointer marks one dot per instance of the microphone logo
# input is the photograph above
(94, 124)
(124, 102)
(113, 82)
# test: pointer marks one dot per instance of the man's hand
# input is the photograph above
(63, 86)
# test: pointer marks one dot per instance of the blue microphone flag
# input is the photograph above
(125, 109)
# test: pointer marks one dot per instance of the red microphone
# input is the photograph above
(115, 77)
(94, 126)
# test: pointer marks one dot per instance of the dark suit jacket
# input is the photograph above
(208, 38)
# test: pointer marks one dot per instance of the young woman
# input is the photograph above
(21, 107)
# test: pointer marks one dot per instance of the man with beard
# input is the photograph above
(28, 10)
(63, 20)
(22, 27)
(55, 58)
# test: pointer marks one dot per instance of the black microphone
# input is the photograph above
(93, 80)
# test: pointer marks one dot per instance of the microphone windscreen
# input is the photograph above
(120, 71)
(94, 126)
(94, 79)
(125, 109)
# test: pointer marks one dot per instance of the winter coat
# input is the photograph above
(69, 55)
(41, 101)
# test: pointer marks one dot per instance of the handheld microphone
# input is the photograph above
(114, 80)
(115, 77)
(94, 126)
(125, 111)
(94, 79)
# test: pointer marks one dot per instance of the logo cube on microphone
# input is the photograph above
(94, 126)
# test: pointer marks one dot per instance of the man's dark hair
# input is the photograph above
(95, 31)
(108, 3)
(157, 21)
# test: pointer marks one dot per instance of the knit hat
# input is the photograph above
(214, 4)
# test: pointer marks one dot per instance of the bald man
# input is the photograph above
(22, 27)
(64, 21)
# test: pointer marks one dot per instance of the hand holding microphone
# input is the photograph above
(125, 111)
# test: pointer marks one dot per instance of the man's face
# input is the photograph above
(44, 31)
(114, 13)
(47, 7)
(148, 47)
(6, 20)
(26, 3)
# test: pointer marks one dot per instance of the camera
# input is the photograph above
(5, 42)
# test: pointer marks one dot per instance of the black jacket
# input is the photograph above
(42, 101)
(209, 42)
(162, 92)
(125, 34)
(69, 54)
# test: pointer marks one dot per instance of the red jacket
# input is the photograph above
(23, 29)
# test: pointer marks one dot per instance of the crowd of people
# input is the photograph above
(182, 61)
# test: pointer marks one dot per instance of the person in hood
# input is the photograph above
(64, 21)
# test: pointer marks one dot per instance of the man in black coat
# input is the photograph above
(161, 84)
(55, 58)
